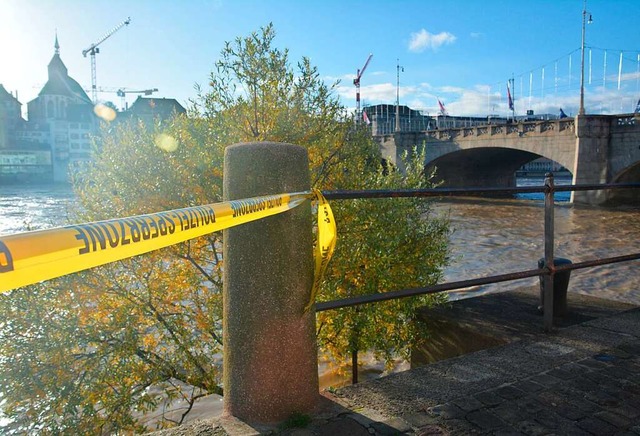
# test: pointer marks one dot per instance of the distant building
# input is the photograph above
(383, 119)
(150, 110)
(55, 140)
(56, 135)
(10, 117)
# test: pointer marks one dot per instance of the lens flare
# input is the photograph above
(104, 112)
(166, 142)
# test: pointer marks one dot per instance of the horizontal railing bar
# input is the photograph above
(441, 192)
(598, 262)
(587, 187)
(450, 286)
(403, 293)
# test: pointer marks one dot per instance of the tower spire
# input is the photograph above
(57, 45)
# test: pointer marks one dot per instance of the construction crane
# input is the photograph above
(93, 50)
(122, 93)
(356, 82)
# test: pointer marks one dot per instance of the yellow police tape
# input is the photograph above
(32, 257)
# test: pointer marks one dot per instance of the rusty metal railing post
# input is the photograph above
(547, 282)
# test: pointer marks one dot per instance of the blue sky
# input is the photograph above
(461, 52)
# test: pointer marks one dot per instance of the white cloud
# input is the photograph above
(422, 40)
(476, 35)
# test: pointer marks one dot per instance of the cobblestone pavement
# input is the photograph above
(581, 379)
(596, 395)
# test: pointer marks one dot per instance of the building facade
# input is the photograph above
(56, 139)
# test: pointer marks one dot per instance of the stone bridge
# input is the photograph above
(595, 148)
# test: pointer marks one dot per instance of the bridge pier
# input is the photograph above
(591, 157)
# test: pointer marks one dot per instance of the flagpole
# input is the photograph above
(513, 98)
(584, 21)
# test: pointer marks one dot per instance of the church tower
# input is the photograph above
(62, 116)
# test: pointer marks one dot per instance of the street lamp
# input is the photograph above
(584, 21)
(398, 68)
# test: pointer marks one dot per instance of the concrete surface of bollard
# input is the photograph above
(270, 356)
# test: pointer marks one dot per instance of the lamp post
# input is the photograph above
(398, 68)
(584, 21)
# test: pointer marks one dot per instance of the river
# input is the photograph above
(489, 236)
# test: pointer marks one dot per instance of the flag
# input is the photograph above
(509, 97)
(443, 111)
(365, 117)
(637, 111)
(562, 114)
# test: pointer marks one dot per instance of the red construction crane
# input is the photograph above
(93, 50)
(356, 82)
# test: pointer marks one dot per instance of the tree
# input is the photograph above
(110, 334)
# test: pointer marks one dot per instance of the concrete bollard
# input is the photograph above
(270, 356)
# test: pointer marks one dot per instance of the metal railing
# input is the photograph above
(547, 272)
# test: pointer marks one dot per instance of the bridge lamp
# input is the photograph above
(584, 22)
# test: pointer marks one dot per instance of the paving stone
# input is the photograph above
(528, 386)
(507, 432)
(545, 380)
(584, 404)
(509, 412)
(634, 401)
(420, 419)
(598, 377)
(592, 363)
(529, 404)
(620, 353)
(561, 374)
(614, 419)
(632, 388)
(630, 412)
(431, 430)
(550, 398)
(532, 428)
(616, 392)
(572, 429)
(616, 372)
(574, 369)
(447, 411)
(468, 403)
(631, 347)
(485, 420)
(583, 384)
(570, 412)
(597, 426)
(631, 365)
(343, 426)
(393, 426)
(298, 432)
(602, 398)
(490, 398)
(551, 420)
(459, 426)
(510, 392)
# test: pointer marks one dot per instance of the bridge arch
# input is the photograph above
(630, 174)
(481, 166)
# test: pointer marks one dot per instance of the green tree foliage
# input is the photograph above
(81, 354)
